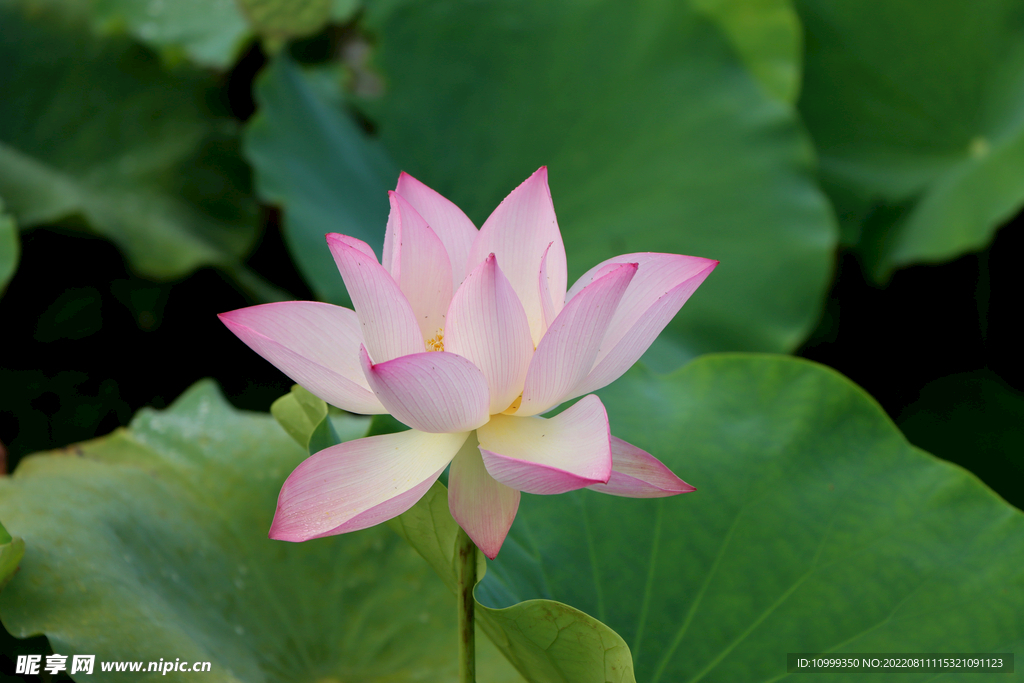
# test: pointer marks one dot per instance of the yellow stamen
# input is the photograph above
(514, 407)
(437, 342)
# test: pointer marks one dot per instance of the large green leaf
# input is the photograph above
(918, 115)
(314, 161)
(10, 247)
(766, 34)
(151, 543)
(114, 139)
(815, 527)
(657, 139)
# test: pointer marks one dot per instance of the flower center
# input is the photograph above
(436, 343)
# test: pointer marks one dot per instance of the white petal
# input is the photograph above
(487, 325)
(418, 262)
(448, 221)
(518, 232)
(481, 505)
(638, 474)
(360, 483)
(546, 456)
(431, 391)
(388, 325)
(567, 352)
(662, 285)
(315, 344)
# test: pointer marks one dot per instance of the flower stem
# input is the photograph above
(466, 559)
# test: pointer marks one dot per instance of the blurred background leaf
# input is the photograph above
(136, 153)
(208, 32)
(815, 527)
(152, 541)
(283, 19)
(657, 137)
(767, 36)
(10, 247)
(313, 160)
(918, 117)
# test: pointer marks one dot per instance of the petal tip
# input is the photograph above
(364, 358)
(488, 546)
(279, 532)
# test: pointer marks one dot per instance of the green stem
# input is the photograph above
(466, 558)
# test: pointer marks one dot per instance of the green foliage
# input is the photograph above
(316, 163)
(11, 551)
(305, 418)
(815, 527)
(919, 122)
(115, 140)
(152, 541)
(547, 641)
(806, 489)
(10, 247)
(656, 136)
(282, 19)
(207, 32)
(766, 34)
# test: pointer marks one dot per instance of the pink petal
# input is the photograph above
(638, 474)
(567, 352)
(418, 262)
(315, 344)
(662, 285)
(487, 325)
(448, 221)
(388, 324)
(546, 456)
(481, 505)
(360, 483)
(550, 307)
(431, 391)
(518, 232)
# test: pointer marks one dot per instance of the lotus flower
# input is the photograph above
(468, 337)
